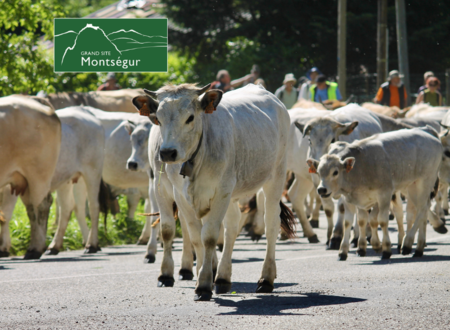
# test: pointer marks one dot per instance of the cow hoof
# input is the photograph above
(142, 242)
(313, 239)
(220, 247)
(255, 237)
(32, 255)
(361, 252)
(185, 275)
(92, 249)
(418, 254)
(386, 255)
(222, 286)
(354, 242)
(165, 281)
(314, 223)
(202, 295)
(446, 212)
(4, 254)
(391, 216)
(149, 259)
(406, 250)
(51, 252)
(441, 229)
(342, 256)
(335, 243)
(443, 220)
(264, 286)
(247, 227)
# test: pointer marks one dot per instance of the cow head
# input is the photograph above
(331, 170)
(179, 112)
(139, 133)
(323, 132)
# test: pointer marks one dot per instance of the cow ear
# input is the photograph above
(146, 106)
(210, 100)
(129, 126)
(313, 165)
(349, 128)
(305, 129)
(348, 163)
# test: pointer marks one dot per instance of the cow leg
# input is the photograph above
(397, 210)
(362, 216)
(445, 198)
(187, 255)
(297, 193)
(257, 229)
(151, 205)
(93, 189)
(335, 241)
(221, 239)
(8, 202)
(66, 204)
(80, 195)
(383, 220)
(223, 279)
(168, 227)
(133, 198)
(147, 230)
(318, 204)
(348, 220)
(38, 225)
(373, 221)
(272, 192)
(437, 224)
(354, 241)
(209, 235)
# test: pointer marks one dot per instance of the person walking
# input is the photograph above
(306, 86)
(110, 84)
(392, 93)
(287, 93)
(324, 90)
(426, 75)
(431, 94)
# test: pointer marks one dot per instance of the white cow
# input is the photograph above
(369, 171)
(222, 156)
(30, 142)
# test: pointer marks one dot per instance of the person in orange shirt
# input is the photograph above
(393, 92)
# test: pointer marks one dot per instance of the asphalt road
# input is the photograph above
(114, 289)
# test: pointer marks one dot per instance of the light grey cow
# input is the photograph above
(215, 154)
(369, 171)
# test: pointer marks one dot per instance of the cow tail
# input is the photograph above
(287, 220)
(104, 196)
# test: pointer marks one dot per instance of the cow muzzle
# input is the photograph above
(132, 166)
(322, 191)
(168, 155)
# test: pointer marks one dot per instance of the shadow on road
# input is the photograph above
(250, 287)
(279, 304)
(239, 261)
(68, 259)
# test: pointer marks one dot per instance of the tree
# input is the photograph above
(24, 66)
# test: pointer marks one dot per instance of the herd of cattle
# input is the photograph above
(219, 163)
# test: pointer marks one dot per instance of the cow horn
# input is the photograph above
(350, 98)
(152, 94)
(203, 89)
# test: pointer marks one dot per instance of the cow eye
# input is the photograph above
(335, 173)
(332, 141)
(191, 118)
(447, 153)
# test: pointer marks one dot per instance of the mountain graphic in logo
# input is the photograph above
(110, 45)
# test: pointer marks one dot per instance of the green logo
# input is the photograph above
(110, 45)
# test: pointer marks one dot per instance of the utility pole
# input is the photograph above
(402, 44)
(382, 41)
(342, 51)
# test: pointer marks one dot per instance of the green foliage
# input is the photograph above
(23, 65)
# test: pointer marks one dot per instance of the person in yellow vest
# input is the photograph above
(324, 90)
(431, 94)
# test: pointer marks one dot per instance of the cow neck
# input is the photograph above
(187, 168)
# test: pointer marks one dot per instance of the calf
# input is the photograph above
(369, 171)
(215, 154)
